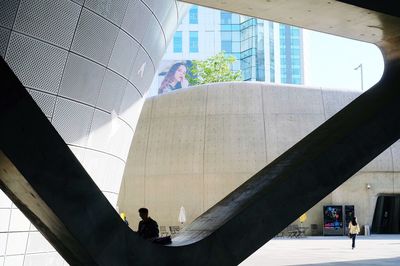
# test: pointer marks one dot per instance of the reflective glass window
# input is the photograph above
(193, 15)
(178, 42)
(193, 42)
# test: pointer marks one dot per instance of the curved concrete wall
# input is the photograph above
(194, 146)
(87, 64)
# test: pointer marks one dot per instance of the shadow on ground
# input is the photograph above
(380, 262)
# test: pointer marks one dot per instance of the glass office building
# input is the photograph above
(230, 36)
(271, 52)
(291, 55)
(265, 51)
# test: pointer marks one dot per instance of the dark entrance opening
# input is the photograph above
(387, 215)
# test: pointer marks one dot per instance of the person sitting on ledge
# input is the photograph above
(148, 228)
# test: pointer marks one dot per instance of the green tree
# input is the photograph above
(214, 69)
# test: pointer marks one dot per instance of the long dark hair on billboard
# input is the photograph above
(174, 79)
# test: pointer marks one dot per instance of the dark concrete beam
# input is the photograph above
(371, 21)
(44, 179)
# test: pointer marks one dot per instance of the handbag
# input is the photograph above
(163, 240)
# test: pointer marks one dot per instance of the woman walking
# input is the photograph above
(354, 229)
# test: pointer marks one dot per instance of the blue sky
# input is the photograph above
(330, 61)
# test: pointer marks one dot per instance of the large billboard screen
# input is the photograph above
(172, 75)
(333, 216)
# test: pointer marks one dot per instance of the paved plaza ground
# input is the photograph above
(328, 251)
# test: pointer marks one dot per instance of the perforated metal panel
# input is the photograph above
(119, 139)
(37, 64)
(72, 120)
(5, 202)
(112, 10)
(37, 243)
(101, 130)
(16, 243)
(96, 165)
(51, 20)
(48, 258)
(124, 52)
(47, 255)
(160, 11)
(169, 23)
(79, 152)
(160, 8)
(131, 105)
(105, 170)
(111, 92)
(8, 9)
(79, 2)
(40, 65)
(154, 41)
(137, 20)
(82, 79)
(4, 223)
(44, 100)
(94, 37)
(112, 182)
(18, 221)
(109, 134)
(4, 36)
(142, 72)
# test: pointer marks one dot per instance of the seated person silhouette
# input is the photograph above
(148, 228)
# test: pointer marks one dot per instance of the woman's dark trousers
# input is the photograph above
(353, 240)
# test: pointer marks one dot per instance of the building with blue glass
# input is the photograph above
(265, 51)
(271, 52)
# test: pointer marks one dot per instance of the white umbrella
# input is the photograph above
(182, 215)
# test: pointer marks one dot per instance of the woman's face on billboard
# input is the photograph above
(180, 73)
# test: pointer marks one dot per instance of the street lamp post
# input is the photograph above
(360, 66)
